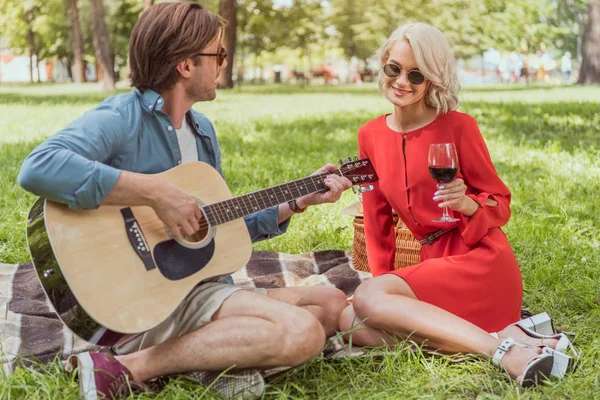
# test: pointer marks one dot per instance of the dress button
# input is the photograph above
(169, 128)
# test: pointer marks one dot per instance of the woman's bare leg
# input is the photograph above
(388, 306)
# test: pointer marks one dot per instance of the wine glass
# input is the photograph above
(443, 167)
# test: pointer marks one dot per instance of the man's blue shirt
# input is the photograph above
(80, 164)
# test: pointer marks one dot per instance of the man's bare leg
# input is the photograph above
(325, 303)
(249, 330)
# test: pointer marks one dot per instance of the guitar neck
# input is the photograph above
(238, 207)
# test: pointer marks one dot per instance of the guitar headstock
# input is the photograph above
(358, 171)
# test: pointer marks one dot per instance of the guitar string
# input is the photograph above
(220, 207)
(223, 208)
(263, 195)
(280, 190)
(224, 211)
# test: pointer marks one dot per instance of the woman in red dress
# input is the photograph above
(468, 282)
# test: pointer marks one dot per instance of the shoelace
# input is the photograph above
(123, 386)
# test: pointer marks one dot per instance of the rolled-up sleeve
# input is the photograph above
(265, 224)
(484, 183)
(71, 166)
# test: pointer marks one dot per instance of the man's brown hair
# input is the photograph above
(164, 35)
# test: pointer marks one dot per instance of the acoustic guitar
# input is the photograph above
(119, 270)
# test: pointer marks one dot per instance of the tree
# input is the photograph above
(590, 47)
(102, 48)
(77, 44)
(228, 10)
(305, 27)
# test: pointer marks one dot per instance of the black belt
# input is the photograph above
(432, 237)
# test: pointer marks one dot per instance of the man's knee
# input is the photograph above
(301, 338)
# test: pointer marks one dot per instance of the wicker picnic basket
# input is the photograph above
(408, 249)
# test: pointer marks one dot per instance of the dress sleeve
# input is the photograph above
(483, 183)
(379, 225)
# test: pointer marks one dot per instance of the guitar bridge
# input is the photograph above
(137, 239)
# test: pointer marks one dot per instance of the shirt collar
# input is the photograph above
(193, 123)
(151, 100)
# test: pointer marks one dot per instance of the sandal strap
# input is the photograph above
(502, 349)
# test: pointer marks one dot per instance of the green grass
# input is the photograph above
(544, 140)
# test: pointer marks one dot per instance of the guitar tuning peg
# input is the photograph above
(366, 188)
(340, 161)
(348, 159)
(355, 158)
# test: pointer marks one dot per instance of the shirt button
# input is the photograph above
(150, 107)
(179, 162)
(159, 101)
(169, 128)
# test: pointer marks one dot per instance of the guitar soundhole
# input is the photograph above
(199, 237)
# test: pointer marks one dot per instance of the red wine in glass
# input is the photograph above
(443, 167)
(443, 174)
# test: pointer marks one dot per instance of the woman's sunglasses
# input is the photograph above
(221, 55)
(393, 71)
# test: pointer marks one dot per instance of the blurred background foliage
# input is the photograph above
(304, 33)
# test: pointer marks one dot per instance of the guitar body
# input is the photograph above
(118, 269)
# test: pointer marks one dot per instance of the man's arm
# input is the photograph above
(274, 221)
(336, 184)
(172, 205)
(71, 168)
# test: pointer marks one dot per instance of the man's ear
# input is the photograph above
(185, 68)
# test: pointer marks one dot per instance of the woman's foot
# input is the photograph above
(518, 335)
(528, 365)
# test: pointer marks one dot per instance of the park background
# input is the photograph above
(542, 129)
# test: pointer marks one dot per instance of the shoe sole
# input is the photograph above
(540, 370)
(85, 372)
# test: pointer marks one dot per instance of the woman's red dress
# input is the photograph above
(470, 271)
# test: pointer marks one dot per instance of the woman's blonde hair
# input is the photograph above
(434, 59)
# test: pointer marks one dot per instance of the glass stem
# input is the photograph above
(445, 215)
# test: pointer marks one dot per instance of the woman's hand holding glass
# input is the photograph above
(453, 195)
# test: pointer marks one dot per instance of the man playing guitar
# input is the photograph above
(106, 157)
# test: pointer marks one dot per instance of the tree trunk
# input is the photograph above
(228, 10)
(102, 48)
(147, 4)
(77, 44)
(590, 48)
(68, 66)
(37, 67)
(31, 40)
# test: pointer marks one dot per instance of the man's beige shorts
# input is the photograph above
(195, 311)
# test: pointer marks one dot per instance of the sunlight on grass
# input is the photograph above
(545, 143)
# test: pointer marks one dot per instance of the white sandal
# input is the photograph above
(536, 369)
(540, 326)
(540, 323)
(564, 343)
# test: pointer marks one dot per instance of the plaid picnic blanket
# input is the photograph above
(32, 333)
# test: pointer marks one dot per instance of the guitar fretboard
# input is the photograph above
(238, 207)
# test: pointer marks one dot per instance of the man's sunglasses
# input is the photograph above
(393, 71)
(221, 55)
